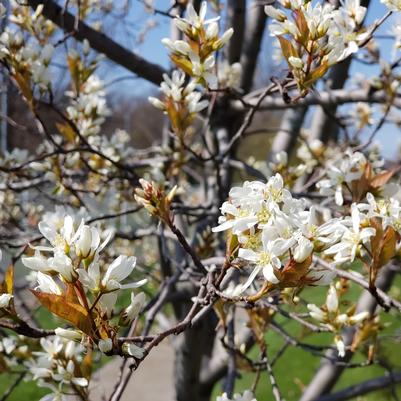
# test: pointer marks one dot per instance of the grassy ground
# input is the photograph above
(296, 366)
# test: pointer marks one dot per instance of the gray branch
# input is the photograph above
(366, 387)
(335, 97)
(100, 42)
(287, 135)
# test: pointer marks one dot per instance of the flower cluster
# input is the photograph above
(74, 283)
(330, 316)
(88, 108)
(28, 59)
(393, 5)
(196, 55)
(60, 367)
(313, 37)
(354, 175)
(181, 102)
(277, 234)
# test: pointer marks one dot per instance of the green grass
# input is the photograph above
(296, 366)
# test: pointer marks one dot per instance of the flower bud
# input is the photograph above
(156, 103)
(5, 300)
(132, 311)
(359, 317)
(296, 62)
(338, 341)
(316, 313)
(133, 350)
(69, 334)
(105, 346)
(275, 13)
(332, 300)
(303, 250)
(84, 242)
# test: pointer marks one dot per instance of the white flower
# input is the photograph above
(88, 241)
(316, 313)
(120, 269)
(37, 262)
(62, 264)
(194, 20)
(267, 260)
(352, 239)
(296, 62)
(47, 284)
(359, 317)
(132, 311)
(66, 375)
(5, 300)
(303, 249)
(51, 347)
(275, 13)
(91, 277)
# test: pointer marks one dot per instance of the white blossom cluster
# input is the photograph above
(393, 5)
(88, 108)
(273, 227)
(74, 255)
(197, 56)
(341, 172)
(314, 37)
(24, 56)
(58, 366)
(336, 31)
(178, 94)
(330, 316)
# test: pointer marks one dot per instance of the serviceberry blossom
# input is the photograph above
(76, 258)
(313, 36)
(178, 95)
(353, 240)
(58, 366)
(196, 55)
(331, 317)
(275, 230)
(341, 173)
(393, 5)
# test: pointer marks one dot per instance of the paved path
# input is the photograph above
(153, 381)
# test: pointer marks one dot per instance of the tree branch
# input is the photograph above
(100, 42)
(363, 388)
(336, 97)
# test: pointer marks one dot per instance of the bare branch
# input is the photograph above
(100, 42)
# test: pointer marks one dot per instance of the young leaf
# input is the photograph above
(287, 48)
(72, 312)
(381, 179)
